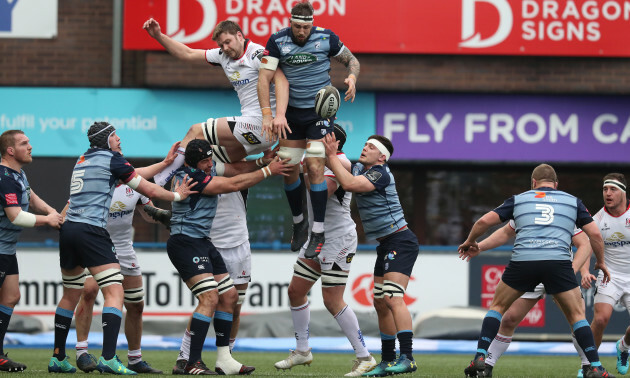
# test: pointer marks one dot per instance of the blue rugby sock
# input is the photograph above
(489, 329)
(584, 336)
(388, 347)
(5, 318)
(222, 327)
(199, 325)
(295, 193)
(112, 318)
(319, 197)
(63, 319)
(405, 340)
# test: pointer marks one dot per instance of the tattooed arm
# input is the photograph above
(347, 59)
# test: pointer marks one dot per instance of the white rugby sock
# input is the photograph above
(134, 356)
(622, 345)
(585, 360)
(350, 326)
(184, 349)
(298, 219)
(163, 176)
(318, 227)
(82, 348)
(498, 346)
(232, 342)
(301, 317)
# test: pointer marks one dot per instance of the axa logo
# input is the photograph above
(186, 36)
(472, 38)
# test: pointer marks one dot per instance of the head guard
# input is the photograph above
(196, 151)
(340, 135)
(98, 134)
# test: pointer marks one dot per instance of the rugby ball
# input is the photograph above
(327, 101)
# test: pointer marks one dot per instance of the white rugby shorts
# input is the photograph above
(238, 261)
(129, 264)
(248, 131)
(617, 290)
(339, 250)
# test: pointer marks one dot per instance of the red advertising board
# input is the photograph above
(490, 277)
(489, 27)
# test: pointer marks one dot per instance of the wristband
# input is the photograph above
(176, 197)
(260, 163)
(266, 171)
(266, 111)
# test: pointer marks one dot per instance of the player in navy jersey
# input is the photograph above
(233, 138)
(16, 196)
(84, 241)
(197, 260)
(545, 219)
(381, 214)
(303, 51)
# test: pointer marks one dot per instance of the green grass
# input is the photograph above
(336, 365)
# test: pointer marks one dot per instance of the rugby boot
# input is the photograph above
(87, 362)
(488, 371)
(7, 364)
(229, 366)
(597, 372)
(113, 366)
(476, 367)
(160, 215)
(379, 370)
(179, 368)
(300, 234)
(143, 367)
(295, 358)
(198, 368)
(362, 365)
(63, 366)
(402, 365)
(580, 373)
(315, 245)
(622, 359)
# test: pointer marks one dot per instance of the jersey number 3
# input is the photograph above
(546, 216)
(76, 183)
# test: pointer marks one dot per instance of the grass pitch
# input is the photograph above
(335, 365)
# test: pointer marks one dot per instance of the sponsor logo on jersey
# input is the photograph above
(286, 49)
(617, 239)
(317, 44)
(251, 138)
(540, 195)
(128, 192)
(628, 222)
(258, 54)
(11, 199)
(373, 175)
(349, 258)
(301, 59)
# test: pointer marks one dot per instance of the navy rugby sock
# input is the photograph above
(388, 347)
(405, 340)
(489, 329)
(294, 196)
(584, 336)
(319, 197)
(112, 318)
(222, 327)
(63, 319)
(5, 318)
(199, 325)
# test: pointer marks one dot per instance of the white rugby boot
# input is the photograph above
(362, 365)
(295, 358)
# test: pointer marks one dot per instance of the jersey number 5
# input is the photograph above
(76, 183)
(546, 216)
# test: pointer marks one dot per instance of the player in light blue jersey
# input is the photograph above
(198, 262)
(303, 51)
(381, 214)
(544, 219)
(85, 242)
(16, 196)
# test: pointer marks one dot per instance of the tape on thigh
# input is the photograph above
(134, 295)
(225, 284)
(315, 149)
(74, 282)
(300, 269)
(241, 296)
(392, 289)
(211, 134)
(204, 285)
(332, 278)
(378, 290)
(293, 153)
(108, 277)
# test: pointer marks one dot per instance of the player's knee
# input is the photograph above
(315, 149)
(195, 131)
(509, 322)
(89, 293)
(134, 309)
(11, 298)
(208, 299)
(331, 303)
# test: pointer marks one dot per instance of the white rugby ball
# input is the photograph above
(327, 101)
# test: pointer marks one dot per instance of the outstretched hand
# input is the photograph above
(172, 154)
(468, 250)
(184, 187)
(280, 167)
(352, 89)
(152, 27)
(331, 144)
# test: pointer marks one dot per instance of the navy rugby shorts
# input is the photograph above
(556, 275)
(306, 124)
(194, 256)
(396, 253)
(8, 266)
(85, 245)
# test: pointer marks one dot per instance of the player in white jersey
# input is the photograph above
(125, 200)
(613, 221)
(519, 309)
(233, 138)
(333, 266)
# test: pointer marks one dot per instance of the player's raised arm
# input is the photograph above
(346, 58)
(175, 48)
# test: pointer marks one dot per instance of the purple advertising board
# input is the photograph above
(506, 128)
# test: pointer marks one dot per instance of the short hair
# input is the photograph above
(7, 139)
(386, 142)
(616, 176)
(226, 26)
(303, 8)
(544, 172)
